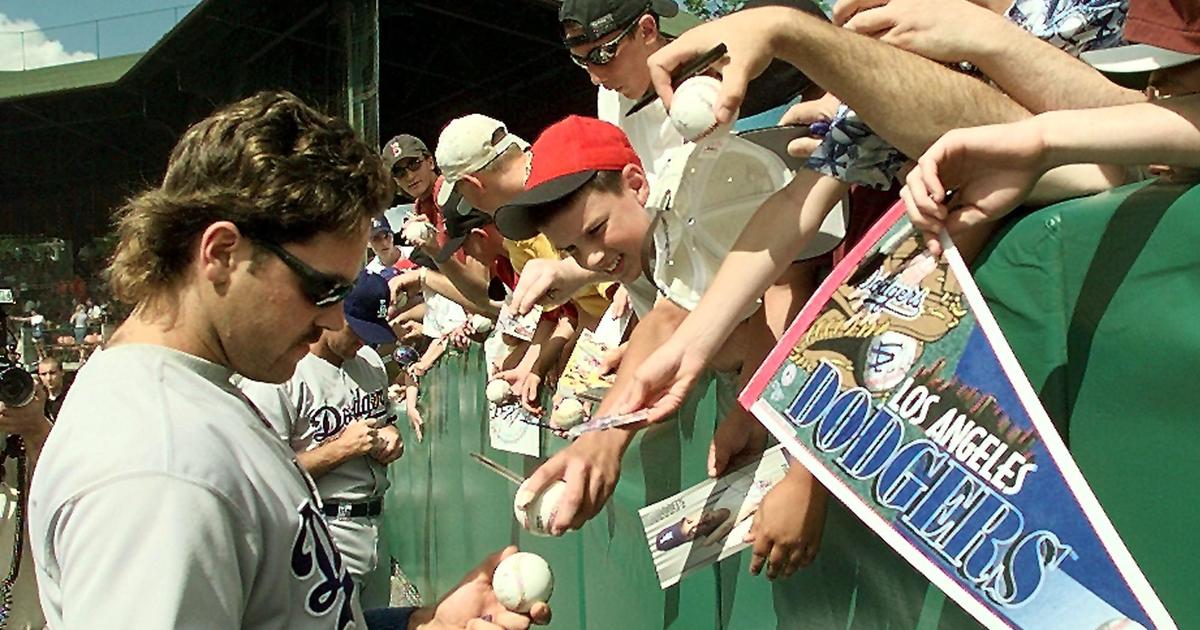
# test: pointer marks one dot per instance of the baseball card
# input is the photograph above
(514, 429)
(709, 521)
(582, 372)
(520, 326)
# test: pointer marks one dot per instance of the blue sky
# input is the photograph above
(120, 31)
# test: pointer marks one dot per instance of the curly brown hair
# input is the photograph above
(275, 167)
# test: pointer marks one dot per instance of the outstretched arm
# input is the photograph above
(907, 99)
(992, 168)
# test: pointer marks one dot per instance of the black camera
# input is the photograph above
(16, 385)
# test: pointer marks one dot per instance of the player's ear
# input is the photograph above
(219, 249)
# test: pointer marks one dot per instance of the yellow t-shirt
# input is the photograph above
(591, 298)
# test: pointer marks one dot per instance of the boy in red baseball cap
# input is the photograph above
(664, 240)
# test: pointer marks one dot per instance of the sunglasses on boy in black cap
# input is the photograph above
(604, 54)
(320, 288)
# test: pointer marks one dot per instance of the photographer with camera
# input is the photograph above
(25, 426)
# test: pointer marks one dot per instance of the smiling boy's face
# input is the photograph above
(605, 231)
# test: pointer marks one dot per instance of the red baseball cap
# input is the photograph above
(567, 155)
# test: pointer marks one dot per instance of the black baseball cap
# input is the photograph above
(458, 228)
(366, 309)
(601, 17)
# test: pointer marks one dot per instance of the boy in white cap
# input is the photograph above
(485, 166)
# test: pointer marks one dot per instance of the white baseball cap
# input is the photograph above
(467, 145)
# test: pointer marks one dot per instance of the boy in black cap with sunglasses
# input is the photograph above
(612, 40)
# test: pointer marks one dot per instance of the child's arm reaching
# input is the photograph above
(771, 241)
(787, 527)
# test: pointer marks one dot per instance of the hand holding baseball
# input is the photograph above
(391, 445)
(473, 604)
(748, 36)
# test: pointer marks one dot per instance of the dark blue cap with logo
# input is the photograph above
(366, 309)
(380, 224)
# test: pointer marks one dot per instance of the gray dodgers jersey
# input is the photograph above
(163, 500)
(318, 402)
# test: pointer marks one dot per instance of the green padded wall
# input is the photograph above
(1098, 297)
(445, 512)
(1092, 295)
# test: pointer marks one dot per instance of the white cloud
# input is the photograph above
(38, 52)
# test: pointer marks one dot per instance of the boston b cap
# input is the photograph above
(400, 147)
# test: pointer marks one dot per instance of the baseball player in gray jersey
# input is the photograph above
(334, 413)
(164, 499)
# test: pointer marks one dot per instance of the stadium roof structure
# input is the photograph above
(80, 138)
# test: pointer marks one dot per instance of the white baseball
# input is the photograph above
(692, 110)
(480, 324)
(539, 514)
(521, 580)
(498, 391)
(417, 232)
(567, 414)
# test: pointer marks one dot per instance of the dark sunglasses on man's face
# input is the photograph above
(410, 165)
(603, 54)
(320, 288)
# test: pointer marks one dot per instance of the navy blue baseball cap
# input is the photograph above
(380, 224)
(366, 309)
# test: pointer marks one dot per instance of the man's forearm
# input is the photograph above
(323, 459)
(907, 99)
(552, 346)
(1043, 78)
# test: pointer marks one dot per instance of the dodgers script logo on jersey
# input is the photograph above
(328, 421)
(314, 551)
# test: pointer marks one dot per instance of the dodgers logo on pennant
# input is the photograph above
(897, 390)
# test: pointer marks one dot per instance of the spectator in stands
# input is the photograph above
(909, 120)
(993, 168)
(95, 314)
(79, 321)
(417, 176)
(383, 244)
(612, 40)
(54, 379)
(476, 233)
